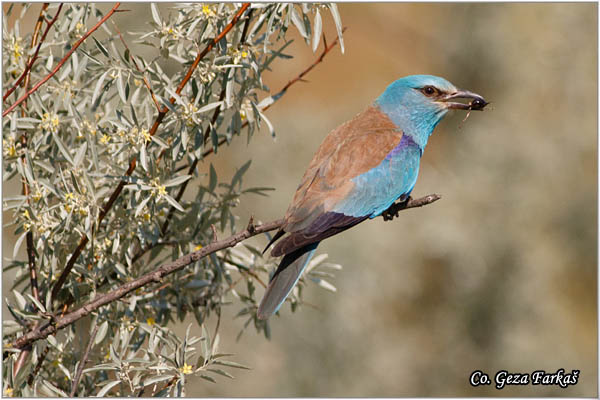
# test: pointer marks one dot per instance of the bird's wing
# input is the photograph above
(345, 181)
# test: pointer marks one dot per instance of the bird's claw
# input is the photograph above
(394, 210)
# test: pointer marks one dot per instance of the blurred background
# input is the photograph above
(501, 272)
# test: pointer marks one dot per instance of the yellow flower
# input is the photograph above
(146, 135)
(150, 321)
(186, 369)
(244, 54)
(198, 247)
(105, 139)
(8, 392)
(26, 214)
(69, 196)
(137, 82)
(206, 10)
(243, 115)
(17, 50)
(37, 196)
(50, 122)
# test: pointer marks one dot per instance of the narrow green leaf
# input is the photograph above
(173, 202)
(240, 172)
(298, 21)
(212, 183)
(230, 364)
(21, 302)
(155, 379)
(177, 181)
(101, 332)
(18, 244)
(338, 23)
(106, 388)
(62, 148)
(121, 87)
(39, 305)
(208, 378)
(101, 47)
(99, 86)
(155, 13)
(318, 29)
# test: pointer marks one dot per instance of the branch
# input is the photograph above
(38, 26)
(38, 366)
(25, 186)
(166, 269)
(62, 62)
(326, 50)
(245, 30)
(196, 160)
(83, 360)
(132, 164)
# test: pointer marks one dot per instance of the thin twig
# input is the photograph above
(158, 274)
(61, 62)
(137, 67)
(192, 167)
(132, 164)
(245, 30)
(86, 354)
(34, 38)
(38, 366)
(25, 186)
(21, 360)
(32, 59)
(169, 384)
(282, 91)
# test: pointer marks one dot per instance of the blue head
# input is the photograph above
(417, 103)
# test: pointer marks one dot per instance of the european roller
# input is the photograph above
(361, 168)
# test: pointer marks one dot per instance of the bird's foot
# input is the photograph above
(394, 210)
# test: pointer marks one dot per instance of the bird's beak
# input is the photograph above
(477, 102)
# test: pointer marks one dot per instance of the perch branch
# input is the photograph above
(61, 62)
(132, 164)
(158, 274)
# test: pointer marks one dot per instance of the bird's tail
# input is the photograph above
(285, 278)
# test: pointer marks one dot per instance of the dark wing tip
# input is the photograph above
(279, 234)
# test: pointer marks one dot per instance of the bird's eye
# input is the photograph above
(429, 90)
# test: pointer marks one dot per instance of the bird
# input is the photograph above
(360, 169)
